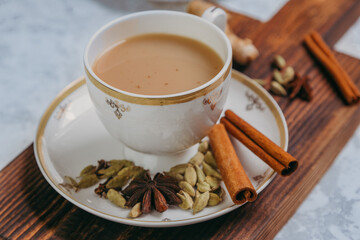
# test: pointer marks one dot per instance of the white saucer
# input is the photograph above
(70, 136)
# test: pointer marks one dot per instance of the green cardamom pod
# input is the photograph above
(71, 181)
(177, 176)
(210, 159)
(220, 192)
(209, 171)
(180, 169)
(125, 172)
(203, 146)
(214, 199)
(116, 198)
(197, 195)
(88, 170)
(88, 181)
(187, 201)
(213, 182)
(278, 77)
(288, 74)
(123, 162)
(118, 181)
(200, 174)
(197, 159)
(110, 171)
(135, 172)
(186, 187)
(277, 88)
(190, 175)
(279, 62)
(135, 211)
(124, 175)
(201, 202)
(203, 187)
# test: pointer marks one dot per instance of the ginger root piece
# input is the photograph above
(243, 49)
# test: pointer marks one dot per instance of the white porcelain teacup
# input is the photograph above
(159, 124)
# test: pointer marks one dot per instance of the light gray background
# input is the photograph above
(41, 48)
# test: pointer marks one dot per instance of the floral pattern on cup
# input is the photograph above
(119, 107)
(213, 99)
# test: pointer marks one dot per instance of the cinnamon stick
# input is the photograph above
(322, 44)
(322, 52)
(281, 161)
(258, 151)
(237, 182)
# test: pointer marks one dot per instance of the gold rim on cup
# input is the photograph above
(159, 100)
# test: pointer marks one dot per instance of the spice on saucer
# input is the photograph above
(237, 182)
(278, 159)
(102, 190)
(116, 198)
(135, 211)
(186, 200)
(130, 186)
(117, 172)
(201, 201)
(156, 193)
(199, 180)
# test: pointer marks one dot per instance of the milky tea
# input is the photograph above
(157, 64)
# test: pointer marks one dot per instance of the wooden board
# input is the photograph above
(30, 208)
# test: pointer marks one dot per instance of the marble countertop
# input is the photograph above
(41, 48)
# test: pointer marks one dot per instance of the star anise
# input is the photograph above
(300, 87)
(157, 193)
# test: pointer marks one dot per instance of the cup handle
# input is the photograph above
(216, 16)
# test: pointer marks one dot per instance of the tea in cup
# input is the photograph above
(158, 79)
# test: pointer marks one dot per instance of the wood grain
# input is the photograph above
(31, 209)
